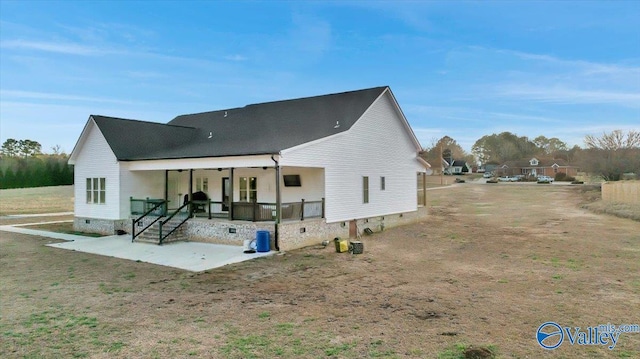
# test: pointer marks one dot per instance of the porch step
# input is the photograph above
(152, 234)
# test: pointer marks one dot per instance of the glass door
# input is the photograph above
(225, 194)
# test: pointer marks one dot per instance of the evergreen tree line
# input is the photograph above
(22, 165)
(37, 171)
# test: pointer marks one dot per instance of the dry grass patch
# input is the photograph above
(36, 200)
(62, 227)
(477, 278)
(623, 210)
(592, 200)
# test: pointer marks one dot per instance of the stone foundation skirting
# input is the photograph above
(299, 234)
(232, 233)
(102, 226)
(291, 234)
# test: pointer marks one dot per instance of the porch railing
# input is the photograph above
(259, 211)
(159, 207)
(170, 230)
(209, 208)
(254, 211)
(312, 209)
(242, 211)
(141, 206)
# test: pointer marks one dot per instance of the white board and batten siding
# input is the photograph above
(96, 160)
(378, 145)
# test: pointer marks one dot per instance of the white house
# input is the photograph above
(305, 170)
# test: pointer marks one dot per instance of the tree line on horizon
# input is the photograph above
(609, 156)
(22, 165)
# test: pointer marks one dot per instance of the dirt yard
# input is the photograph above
(489, 266)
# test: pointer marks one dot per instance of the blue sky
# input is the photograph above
(463, 69)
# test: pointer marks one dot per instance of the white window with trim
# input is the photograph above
(96, 190)
(248, 189)
(202, 184)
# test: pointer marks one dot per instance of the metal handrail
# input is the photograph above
(162, 223)
(135, 221)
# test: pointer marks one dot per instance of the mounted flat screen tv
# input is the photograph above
(291, 180)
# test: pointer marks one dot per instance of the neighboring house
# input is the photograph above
(535, 167)
(491, 167)
(305, 170)
(437, 170)
(458, 167)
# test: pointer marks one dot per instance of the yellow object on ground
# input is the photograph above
(342, 245)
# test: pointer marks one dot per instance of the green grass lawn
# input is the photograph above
(36, 200)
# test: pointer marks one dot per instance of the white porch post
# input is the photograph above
(190, 192)
(424, 188)
(166, 192)
(230, 193)
(278, 205)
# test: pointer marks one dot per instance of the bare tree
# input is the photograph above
(612, 154)
(614, 140)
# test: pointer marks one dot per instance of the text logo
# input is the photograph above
(549, 335)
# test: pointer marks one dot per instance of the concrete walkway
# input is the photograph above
(38, 215)
(191, 256)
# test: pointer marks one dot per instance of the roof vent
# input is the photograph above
(337, 124)
(210, 134)
(225, 114)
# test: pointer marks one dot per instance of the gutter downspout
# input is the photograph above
(278, 203)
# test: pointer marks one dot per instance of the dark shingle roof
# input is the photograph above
(264, 128)
(131, 139)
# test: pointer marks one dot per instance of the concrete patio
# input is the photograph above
(191, 256)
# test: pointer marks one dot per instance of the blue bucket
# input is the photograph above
(262, 241)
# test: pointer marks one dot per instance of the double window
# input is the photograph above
(96, 190)
(248, 189)
(365, 187)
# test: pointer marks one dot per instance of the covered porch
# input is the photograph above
(246, 194)
(224, 203)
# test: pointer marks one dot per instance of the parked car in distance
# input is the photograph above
(545, 179)
(508, 179)
(487, 175)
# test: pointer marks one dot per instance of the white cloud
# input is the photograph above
(564, 95)
(586, 67)
(54, 96)
(68, 48)
(236, 57)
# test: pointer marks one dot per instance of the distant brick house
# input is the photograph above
(537, 167)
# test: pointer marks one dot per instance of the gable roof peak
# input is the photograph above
(262, 128)
(235, 110)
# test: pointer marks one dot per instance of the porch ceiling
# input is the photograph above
(202, 163)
